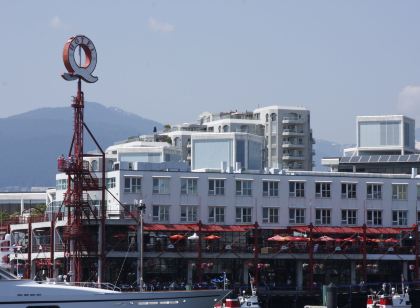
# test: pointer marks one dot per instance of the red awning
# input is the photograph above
(351, 230)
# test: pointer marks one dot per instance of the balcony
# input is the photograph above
(294, 145)
(292, 132)
(293, 120)
(293, 157)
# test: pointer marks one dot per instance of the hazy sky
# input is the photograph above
(171, 60)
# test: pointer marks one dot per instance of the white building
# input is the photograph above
(385, 135)
(384, 144)
(287, 142)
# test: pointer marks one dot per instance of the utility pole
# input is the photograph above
(141, 207)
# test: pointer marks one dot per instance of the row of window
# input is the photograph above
(216, 187)
(271, 215)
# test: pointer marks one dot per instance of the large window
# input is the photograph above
(188, 213)
(399, 218)
(296, 216)
(161, 185)
(348, 190)
(188, 186)
(270, 188)
(374, 191)
(374, 217)
(323, 190)
(323, 216)
(297, 189)
(161, 213)
(132, 184)
(270, 215)
(349, 217)
(110, 182)
(243, 214)
(216, 187)
(376, 134)
(418, 192)
(216, 214)
(61, 184)
(399, 191)
(243, 187)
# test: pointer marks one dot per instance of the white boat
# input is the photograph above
(389, 297)
(16, 293)
(250, 301)
(243, 301)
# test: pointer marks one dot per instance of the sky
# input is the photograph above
(171, 60)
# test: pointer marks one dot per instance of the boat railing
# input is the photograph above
(86, 284)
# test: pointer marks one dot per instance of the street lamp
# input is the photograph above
(141, 207)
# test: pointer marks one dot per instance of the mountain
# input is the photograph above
(325, 148)
(32, 141)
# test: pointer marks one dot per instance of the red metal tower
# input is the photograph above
(79, 242)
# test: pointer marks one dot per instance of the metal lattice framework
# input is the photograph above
(81, 179)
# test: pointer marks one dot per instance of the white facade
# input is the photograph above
(288, 137)
(286, 131)
(129, 154)
(226, 151)
(273, 200)
(388, 134)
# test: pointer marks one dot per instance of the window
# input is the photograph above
(418, 192)
(110, 182)
(374, 191)
(297, 189)
(243, 214)
(161, 213)
(323, 190)
(399, 218)
(297, 216)
(188, 213)
(188, 186)
(243, 188)
(374, 217)
(348, 217)
(323, 216)
(418, 217)
(273, 117)
(270, 188)
(270, 215)
(399, 191)
(61, 184)
(348, 190)
(217, 214)
(132, 184)
(161, 186)
(94, 165)
(217, 187)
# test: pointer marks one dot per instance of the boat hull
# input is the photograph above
(61, 296)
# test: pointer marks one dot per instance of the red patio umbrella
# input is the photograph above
(374, 240)
(279, 238)
(299, 239)
(325, 239)
(349, 239)
(176, 237)
(391, 240)
(212, 237)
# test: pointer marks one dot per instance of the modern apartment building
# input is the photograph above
(286, 144)
(384, 144)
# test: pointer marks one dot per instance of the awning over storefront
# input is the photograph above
(350, 230)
